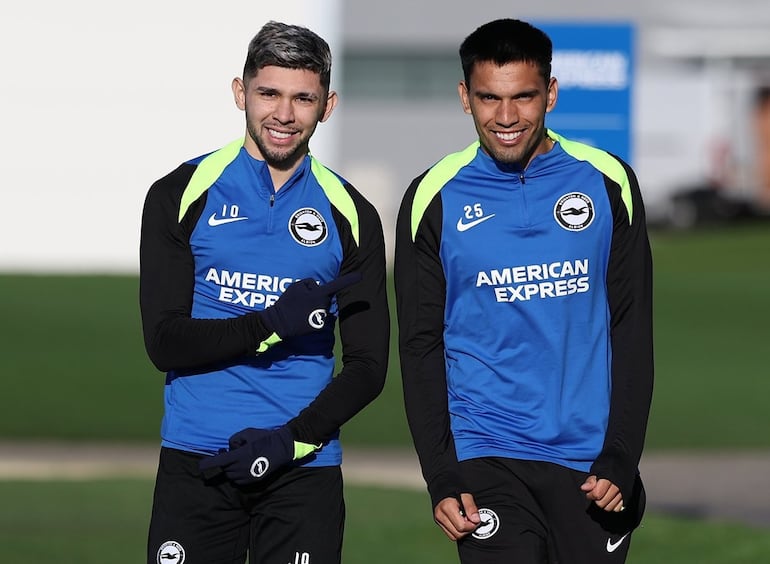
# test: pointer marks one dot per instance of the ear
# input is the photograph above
(239, 93)
(331, 103)
(552, 94)
(465, 97)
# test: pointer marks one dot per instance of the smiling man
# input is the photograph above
(250, 255)
(524, 289)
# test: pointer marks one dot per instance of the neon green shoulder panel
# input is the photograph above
(207, 172)
(337, 194)
(602, 161)
(212, 166)
(441, 173)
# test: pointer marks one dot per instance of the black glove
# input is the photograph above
(301, 309)
(254, 454)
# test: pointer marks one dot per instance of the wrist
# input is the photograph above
(269, 317)
(262, 332)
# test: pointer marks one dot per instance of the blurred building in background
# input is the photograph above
(95, 109)
(701, 68)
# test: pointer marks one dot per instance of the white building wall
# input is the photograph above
(99, 99)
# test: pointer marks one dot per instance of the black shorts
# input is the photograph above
(293, 517)
(535, 513)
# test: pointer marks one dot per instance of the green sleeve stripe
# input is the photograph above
(207, 172)
(338, 196)
(301, 450)
(269, 342)
(602, 161)
(441, 173)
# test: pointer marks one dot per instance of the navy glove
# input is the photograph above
(301, 309)
(254, 454)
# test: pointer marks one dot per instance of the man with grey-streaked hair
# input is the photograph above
(250, 256)
(289, 46)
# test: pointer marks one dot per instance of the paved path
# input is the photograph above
(713, 486)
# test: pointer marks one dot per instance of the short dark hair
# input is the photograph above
(506, 41)
(288, 46)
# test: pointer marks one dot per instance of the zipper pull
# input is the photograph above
(272, 200)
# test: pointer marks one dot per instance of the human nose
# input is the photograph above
(284, 111)
(507, 113)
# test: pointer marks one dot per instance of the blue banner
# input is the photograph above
(594, 66)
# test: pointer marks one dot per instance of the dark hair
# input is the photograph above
(288, 46)
(762, 96)
(507, 41)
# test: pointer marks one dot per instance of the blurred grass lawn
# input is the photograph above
(106, 521)
(74, 366)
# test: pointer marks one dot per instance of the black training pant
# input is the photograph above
(292, 517)
(535, 513)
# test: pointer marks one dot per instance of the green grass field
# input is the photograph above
(712, 315)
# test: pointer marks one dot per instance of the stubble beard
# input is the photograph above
(517, 157)
(281, 160)
(507, 157)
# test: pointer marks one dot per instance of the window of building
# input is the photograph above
(403, 75)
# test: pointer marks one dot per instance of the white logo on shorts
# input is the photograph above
(490, 522)
(170, 552)
(612, 546)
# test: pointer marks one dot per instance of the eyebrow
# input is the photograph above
(530, 92)
(270, 90)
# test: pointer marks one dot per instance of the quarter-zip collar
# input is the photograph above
(262, 171)
(536, 166)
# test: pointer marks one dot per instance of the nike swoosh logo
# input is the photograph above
(214, 221)
(611, 546)
(465, 226)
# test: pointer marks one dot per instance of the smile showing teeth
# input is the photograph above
(279, 134)
(508, 136)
